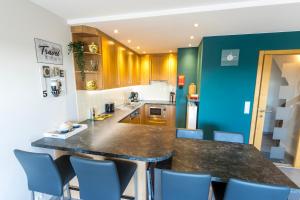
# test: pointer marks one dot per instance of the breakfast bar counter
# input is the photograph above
(151, 144)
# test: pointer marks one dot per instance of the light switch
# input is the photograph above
(247, 108)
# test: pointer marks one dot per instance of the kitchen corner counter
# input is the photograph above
(121, 140)
(159, 102)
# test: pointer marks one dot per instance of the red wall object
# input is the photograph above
(181, 80)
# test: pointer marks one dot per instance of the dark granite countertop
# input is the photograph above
(159, 102)
(226, 160)
(157, 143)
(114, 139)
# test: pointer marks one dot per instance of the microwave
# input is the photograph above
(157, 111)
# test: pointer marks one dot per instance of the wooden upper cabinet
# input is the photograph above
(130, 61)
(164, 68)
(117, 65)
(136, 76)
(156, 64)
(110, 67)
(173, 69)
(145, 70)
(122, 59)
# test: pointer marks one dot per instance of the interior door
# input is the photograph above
(262, 100)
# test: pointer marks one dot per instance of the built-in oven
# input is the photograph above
(156, 111)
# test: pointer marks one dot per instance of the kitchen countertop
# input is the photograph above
(157, 143)
(122, 140)
(158, 102)
(224, 160)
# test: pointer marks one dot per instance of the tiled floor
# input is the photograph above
(292, 173)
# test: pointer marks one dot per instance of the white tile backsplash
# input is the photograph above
(97, 99)
(157, 90)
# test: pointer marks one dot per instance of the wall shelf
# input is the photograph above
(90, 53)
(87, 72)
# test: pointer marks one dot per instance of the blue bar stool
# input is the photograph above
(102, 179)
(183, 186)
(44, 174)
(189, 133)
(237, 189)
(228, 137)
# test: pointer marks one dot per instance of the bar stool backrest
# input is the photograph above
(228, 137)
(189, 133)
(183, 186)
(98, 179)
(237, 189)
(41, 171)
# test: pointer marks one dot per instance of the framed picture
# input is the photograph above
(48, 52)
(46, 72)
(230, 57)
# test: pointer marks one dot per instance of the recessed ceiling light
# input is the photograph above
(138, 47)
(144, 52)
(129, 41)
(192, 37)
(170, 51)
(196, 25)
(111, 42)
(190, 45)
(116, 31)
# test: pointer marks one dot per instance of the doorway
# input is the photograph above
(275, 125)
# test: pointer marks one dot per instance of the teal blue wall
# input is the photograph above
(187, 65)
(225, 89)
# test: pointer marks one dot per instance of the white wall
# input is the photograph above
(24, 115)
(157, 90)
(97, 99)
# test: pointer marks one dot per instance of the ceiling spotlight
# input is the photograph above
(170, 51)
(116, 31)
(196, 25)
(144, 52)
(192, 37)
(190, 45)
(138, 47)
(128, 41)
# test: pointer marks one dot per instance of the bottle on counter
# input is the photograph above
(192, 89)
(92, 113)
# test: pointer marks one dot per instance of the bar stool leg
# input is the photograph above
(136, 187)
(32, 195)
(68, 191)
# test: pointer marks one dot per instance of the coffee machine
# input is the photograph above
(172, 97)
(134, 97)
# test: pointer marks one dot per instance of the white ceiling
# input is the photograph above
(158, 26)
